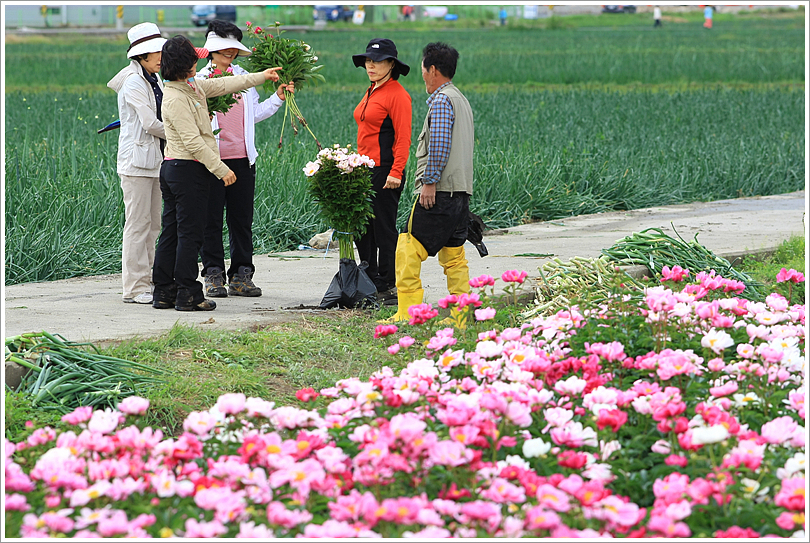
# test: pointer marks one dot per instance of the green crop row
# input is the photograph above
(567, 122)
(539, 155)
(755, 51)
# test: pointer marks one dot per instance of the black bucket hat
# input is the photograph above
(380, 49)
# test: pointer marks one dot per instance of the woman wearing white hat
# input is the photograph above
(140, 154)
(238, 150)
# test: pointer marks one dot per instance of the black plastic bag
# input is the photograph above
(475, 233)
(350, 288)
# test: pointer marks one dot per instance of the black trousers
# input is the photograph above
(378, 245)
(184, 185)
(444, 224)
(237, 202)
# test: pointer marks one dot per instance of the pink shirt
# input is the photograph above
(232, 135)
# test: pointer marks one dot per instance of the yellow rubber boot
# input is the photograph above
(409, 257)
(454, 262)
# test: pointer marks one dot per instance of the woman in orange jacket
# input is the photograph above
(383, 119)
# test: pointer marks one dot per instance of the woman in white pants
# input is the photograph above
(140, 154)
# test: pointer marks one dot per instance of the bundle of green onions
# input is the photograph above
(64, 375)
(655, 249)
(298, 63)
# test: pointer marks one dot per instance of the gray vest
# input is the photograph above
(458, 173)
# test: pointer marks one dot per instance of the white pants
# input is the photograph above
(142, 202)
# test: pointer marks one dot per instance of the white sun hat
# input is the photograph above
(217, 43)
(144, 38)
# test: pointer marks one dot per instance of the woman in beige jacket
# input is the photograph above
(191, 158)
(140, 154)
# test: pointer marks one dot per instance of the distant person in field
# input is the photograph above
(192, 160)
(444, 184)
(707, 17)
(383, 119)
(140, 153)
(657, 16)
(237, 149)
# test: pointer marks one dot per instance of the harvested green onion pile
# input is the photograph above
(655, 249)
(64, 375)
(564, 284)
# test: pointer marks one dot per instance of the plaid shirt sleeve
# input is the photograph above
(441, 133)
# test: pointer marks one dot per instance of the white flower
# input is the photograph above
(513, 460)
(598, 472)
(717, 340)
(741, 400)
(712, 434)
(609, 448)
(793, 465)
(532, 448)
(312, 168)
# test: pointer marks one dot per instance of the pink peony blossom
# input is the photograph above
(231, 404)
(482, 281)
(79, 415)
(421, 313)
(134, 405)
(385, 330)
(514, 276)
(676, 274)
(789, 275)
(204, 529)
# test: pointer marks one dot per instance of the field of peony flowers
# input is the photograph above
(676, 411)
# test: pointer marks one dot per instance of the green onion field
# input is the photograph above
(568, 121)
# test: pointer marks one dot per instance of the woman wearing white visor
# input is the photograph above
(237, 149)
(140, 154)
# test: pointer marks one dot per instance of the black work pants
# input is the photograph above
(379, 244)
(184, 186)
(237, 202)
(444, 224)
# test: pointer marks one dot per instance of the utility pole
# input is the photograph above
(119, 17)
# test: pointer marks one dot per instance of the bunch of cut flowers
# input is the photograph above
(680, 413)
(340, 182)
(298, 66)
(221, 104)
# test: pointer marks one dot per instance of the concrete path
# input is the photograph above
(90, 308)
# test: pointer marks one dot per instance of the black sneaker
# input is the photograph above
(242, 284)
(215, 283)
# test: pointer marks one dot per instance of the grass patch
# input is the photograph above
(270, 362)
(790, 254)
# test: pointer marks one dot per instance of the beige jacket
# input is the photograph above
(185, 118)
(141, 131)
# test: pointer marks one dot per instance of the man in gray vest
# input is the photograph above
(444, 182)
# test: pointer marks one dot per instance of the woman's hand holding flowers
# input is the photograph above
(289, 87)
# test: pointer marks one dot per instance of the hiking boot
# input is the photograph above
(387, 296)
(241, 284)
(205, 305)
(164, 299)
(215, 283)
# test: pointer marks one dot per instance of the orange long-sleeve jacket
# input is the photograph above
(383, 120)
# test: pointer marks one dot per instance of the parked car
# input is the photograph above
(202, 14)
(323, 12)
(618, 9)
